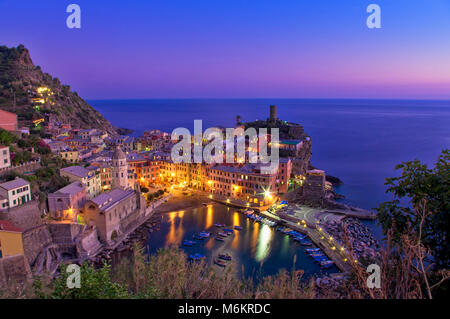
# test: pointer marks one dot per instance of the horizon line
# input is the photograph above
(269, 98)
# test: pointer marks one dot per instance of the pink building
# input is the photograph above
(8, 121)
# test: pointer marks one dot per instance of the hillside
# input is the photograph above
(33, 94)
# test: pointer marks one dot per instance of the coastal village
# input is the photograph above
(114, 183)
(75, 189)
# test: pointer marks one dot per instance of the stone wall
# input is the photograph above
(24, 216)
(301, 163)
(34, 241)
(14, 269)
(64, 233)
(89, 245)
(21, 169)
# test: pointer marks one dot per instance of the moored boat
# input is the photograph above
(306, 242)
(205, 234)
(225, 257)
(219, 262)
(238, 227)
(196, 256)
(220, 238)
(189, 243)
(326, 264)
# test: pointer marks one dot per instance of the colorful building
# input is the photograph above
(5, 157)
(89, 177)
(71, 156)
(111, 212)
(8, 121)
(67, 202)
(11, 242)
(14, 193)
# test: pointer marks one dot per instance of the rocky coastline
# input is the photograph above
(354, 235)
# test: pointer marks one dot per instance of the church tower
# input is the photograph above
(119, 169)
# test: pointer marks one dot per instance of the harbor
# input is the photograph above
(247, 243)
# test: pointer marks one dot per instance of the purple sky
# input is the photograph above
(238, 48)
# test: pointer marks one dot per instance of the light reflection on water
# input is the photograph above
(257, 248)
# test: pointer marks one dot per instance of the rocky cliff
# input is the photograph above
(33, 94)
(301, 160)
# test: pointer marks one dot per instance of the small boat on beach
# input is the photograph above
(225, 257)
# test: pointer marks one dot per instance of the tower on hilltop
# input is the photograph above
(273, 113)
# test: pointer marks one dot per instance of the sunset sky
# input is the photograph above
(238, 48)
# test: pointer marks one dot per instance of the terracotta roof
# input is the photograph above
(6, 225)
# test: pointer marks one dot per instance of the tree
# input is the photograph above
(6, 138)
(421, 197)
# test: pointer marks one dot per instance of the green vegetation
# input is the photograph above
(422, 199)
(155, 195)
(7, 138)
(20, 80)
(168, 274)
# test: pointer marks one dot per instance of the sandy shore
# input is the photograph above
(182, 202)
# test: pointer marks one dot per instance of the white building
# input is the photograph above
(14, 193)
(89, 177)
(5, 158)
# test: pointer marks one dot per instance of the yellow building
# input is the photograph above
(69, 155)
(11, 243)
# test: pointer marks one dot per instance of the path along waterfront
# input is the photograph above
(307, 221)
